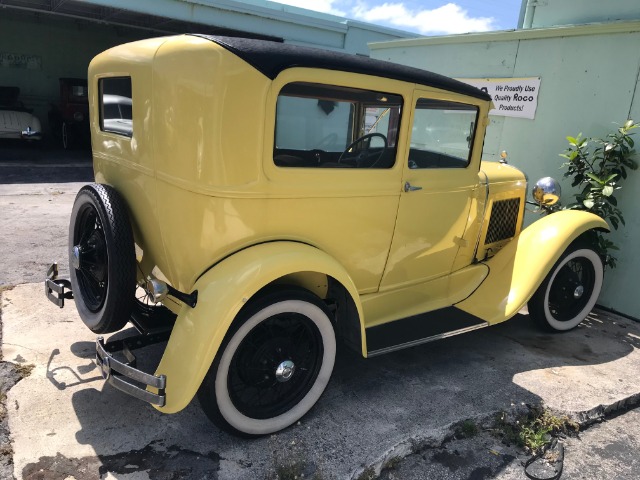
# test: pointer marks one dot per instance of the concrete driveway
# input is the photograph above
(65, 423)
(63, 413)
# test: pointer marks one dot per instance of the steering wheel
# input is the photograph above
(364, 155)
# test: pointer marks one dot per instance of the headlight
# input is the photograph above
(78, 117)
(547, 191)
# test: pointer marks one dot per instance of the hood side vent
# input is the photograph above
(504, 220)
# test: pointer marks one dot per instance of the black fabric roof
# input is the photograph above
(271, 58)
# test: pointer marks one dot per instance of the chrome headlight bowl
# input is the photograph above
(547, 191)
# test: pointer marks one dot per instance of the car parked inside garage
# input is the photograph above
(69, 118)
(16, 120)
(255, 202)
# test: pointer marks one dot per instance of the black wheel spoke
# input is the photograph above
(86, 260)
(87, 228)
(91, 284)
(93, 274)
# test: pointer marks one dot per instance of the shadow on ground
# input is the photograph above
(369, 407)
(33, 163)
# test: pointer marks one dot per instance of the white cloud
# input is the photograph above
(448, 19)
(324, 6)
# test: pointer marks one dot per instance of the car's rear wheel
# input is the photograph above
(570, 290)
(102, 262)
(273, 365)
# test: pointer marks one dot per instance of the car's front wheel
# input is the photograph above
(570, 290)
(273, 365)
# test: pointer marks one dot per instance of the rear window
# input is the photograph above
(116, 113)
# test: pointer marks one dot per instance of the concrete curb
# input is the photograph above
(405, 448)
(438, 437)
(603, 412)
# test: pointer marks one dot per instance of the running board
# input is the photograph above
(419, 329)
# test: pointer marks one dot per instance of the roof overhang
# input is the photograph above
(511, 35)
(158, 17)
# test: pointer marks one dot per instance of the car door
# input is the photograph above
(333, 167)
(439, 182)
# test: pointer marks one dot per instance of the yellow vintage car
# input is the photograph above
(257, 202)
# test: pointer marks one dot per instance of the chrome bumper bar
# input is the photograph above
(124, 375)
(28, 133)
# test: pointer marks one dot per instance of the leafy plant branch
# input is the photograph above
(598, 166)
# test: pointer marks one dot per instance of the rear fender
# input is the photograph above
(516, 271)
(222, 291)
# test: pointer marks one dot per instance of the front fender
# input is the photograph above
(516, 271)
(222, 291)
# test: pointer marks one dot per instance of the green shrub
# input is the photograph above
(598, 166)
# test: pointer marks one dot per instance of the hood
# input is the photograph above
(502, 173)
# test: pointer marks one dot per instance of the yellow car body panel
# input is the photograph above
(520, 267)
(390, 305)
(222, 291)
(126, 163)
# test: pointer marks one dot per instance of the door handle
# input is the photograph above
(410, 188)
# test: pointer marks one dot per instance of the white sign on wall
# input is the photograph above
(20, 60)
(512, 97)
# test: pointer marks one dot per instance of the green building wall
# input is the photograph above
(590, 83)
(552, 13)
(64, 46)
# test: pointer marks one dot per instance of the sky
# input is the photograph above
(426, 17)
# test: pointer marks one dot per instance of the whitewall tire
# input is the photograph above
(273, 366)
(570, 291)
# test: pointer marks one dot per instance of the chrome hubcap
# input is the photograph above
(75, 257)
(578, 292)
(285, 370)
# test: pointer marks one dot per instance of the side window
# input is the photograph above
(335, 127)
(442, 134)
(116, 115)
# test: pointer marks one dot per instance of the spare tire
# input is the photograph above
(102, 261)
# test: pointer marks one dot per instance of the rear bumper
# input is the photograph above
(124, 375)
(29, 134)
(20, 135)
(121, 374)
